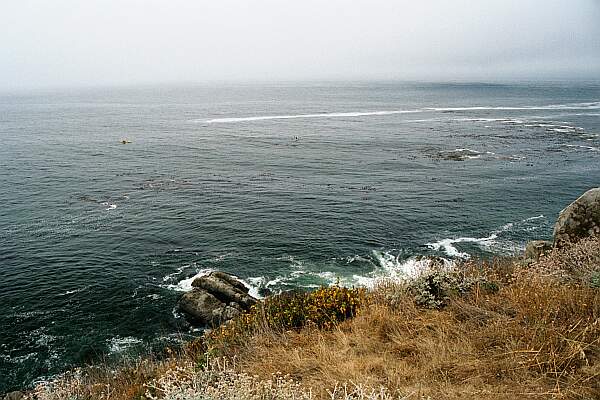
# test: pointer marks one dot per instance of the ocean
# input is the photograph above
(284, 185)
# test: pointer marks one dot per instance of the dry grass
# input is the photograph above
(534, 333)
(101, 382)
(538, 336)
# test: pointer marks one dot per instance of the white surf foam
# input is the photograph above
(386, 266)
(534, 218)
(120, 344)
(73, 291)
(393, 266)
(492, 242)
(577, 146)
(297, 116)
(185, 285)
(569, 106)
(447, 245)
(109, 206)
(253, 286)
(177, 272)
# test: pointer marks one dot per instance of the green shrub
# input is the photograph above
(595, 280)
(434, 288)
(323, 308)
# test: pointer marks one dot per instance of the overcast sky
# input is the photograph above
(106, 42)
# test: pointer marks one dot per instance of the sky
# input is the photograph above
(67, 43)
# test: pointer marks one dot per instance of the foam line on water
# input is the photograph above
(297, 116)
(577, 146)
(569, 106)
(447, 245)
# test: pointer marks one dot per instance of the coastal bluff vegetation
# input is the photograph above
(524, 327)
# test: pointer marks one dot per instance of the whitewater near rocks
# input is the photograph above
(284, 186)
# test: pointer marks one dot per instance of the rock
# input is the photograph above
(205, 308)
(216, 298)
(225, 288)
(536, 248)
(459, 154)
(580, 219)
(230, 279)
(14, 396)
(264, 291)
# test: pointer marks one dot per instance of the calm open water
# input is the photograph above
(283, 185)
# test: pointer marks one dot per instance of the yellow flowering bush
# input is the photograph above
(323, 308)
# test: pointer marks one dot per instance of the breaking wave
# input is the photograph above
(576, 146)
(569, 106)
(121, 344)
(318, 115)
(374, 267)
(184, 285)
(497, 241)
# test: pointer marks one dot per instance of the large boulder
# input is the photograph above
(580, 219)
(225, 288)
(204, 308)
(215, 299)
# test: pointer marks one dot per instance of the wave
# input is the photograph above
(120, 344)
(494, 241)
(318, 115)
(577, 146)
(559, 127)
(568, 106)
(447, 245)
(384, 265)
(392, 267)
(534, 218)
(184, 285)
(377, 266)
(73, 291)
(109, 206)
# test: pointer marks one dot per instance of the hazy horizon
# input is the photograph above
(71, 44)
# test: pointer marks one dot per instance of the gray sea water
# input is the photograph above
(294, 185)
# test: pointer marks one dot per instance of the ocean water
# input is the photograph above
(295, 185)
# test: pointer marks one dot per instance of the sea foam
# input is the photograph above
(568, 106)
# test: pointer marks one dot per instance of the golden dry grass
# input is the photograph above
(537, 337)
(535, 334)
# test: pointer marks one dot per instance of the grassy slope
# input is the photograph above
(501, 330)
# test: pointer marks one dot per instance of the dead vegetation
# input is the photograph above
(491, 330)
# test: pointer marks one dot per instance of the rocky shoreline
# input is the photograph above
(215, 299)
(578, 220)
(218, 297)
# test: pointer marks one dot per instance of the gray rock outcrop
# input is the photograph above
(459, 154)
(580, 219)
(215, 298)
(225, 288)
(536, 248)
